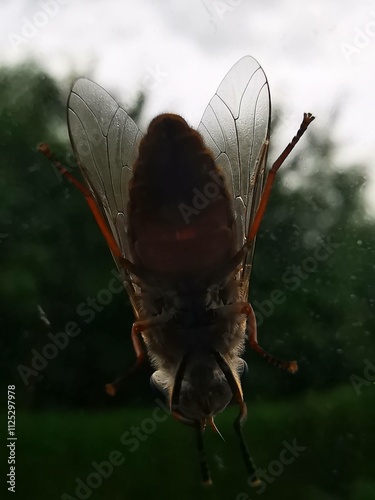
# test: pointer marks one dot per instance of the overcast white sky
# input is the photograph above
(319, 56)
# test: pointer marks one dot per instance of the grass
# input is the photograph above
(55, 450)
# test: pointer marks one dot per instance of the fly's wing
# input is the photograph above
(105, 141)
(235, 127)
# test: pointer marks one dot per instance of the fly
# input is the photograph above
(180, 210)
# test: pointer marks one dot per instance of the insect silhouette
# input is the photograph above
(180, 210)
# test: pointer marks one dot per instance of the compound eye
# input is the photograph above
(158, 385)
(242, 369)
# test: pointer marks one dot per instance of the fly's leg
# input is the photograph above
(236, 389)
(103, 226)
(205, 473)
(237, 260)
(137, 328)
(250, 466)
(307, 119)
(246, 308)
(44, 148)
(112, 388)
(290, 366)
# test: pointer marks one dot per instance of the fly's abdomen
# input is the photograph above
(180, 214)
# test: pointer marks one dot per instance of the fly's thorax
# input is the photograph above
(200, 329)
(193, 323)
(209, 324)
(168, 343)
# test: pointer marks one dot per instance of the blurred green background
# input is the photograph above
(316, 247)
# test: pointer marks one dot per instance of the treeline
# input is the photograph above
(312, 285)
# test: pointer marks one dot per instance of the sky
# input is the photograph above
(318, 56)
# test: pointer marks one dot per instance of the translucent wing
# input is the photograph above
(105, 140)
(235, 126)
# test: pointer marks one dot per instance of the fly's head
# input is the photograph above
(203, 386)
(204, 391)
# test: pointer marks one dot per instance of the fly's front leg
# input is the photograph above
(138, 328)
(44, 149)
(92, 203)
(237, 260)
(307, 119)
(246, 308)
(236, 389)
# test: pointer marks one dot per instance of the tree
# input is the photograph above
(312, 285)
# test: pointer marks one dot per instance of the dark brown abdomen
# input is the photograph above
(180, 213)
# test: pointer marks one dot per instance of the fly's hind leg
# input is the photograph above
(290, 366)
(112, 388)
(138, 328)
(246, 308)
(236, 389)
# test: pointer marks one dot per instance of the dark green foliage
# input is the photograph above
(54, 257)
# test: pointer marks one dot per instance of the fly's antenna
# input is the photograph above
(238, 423)
(206, 478)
